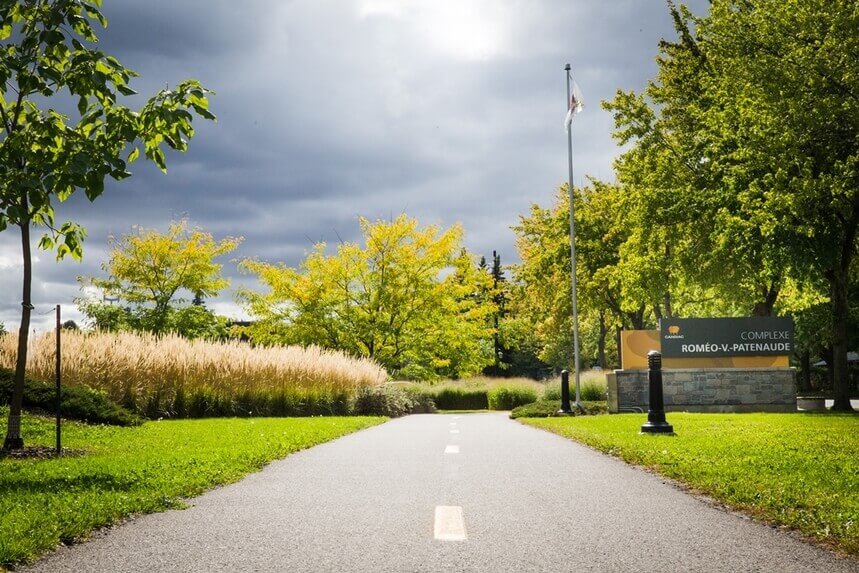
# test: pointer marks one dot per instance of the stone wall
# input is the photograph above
(708, 390)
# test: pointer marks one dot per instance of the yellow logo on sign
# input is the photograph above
(674, 329)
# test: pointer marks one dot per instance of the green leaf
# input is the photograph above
(135, 153)
(205, 114)
(95, 186)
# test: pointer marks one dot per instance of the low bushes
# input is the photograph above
(77, 403)
(549, 408)
(509, 397)
(391, 401)
(592, 387)
(458, 398)
(477, 393)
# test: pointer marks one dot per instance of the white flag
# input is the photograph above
(576, 105)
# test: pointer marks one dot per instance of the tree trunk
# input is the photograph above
(637, 318)
(826, 354)
(601, 341)
(769, 295)
(840, 382)
(805, 364)
(14, 440)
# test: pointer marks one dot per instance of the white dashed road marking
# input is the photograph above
(451, 450)
(454, 431)
(449, 525)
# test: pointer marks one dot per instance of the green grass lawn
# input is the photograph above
(799, 470)
(136, 470)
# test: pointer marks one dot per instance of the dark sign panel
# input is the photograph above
(690, 337)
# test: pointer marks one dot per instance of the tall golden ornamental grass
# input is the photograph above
(136, 365)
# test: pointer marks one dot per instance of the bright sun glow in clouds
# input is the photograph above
(472, 30)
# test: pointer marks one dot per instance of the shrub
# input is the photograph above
(457, 398)
(509, 397)
(592, 387)
(466, 394)
(549, 408)
(423, 403)
(76, 403)
(389, 401)
(592, 392)
(552, 390)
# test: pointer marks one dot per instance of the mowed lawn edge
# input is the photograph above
(129, 471)
(794, 470)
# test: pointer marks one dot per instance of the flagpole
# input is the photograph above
(573, 248)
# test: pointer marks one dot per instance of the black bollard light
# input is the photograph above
(656, 423)
(565, 393)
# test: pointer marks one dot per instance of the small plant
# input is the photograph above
(552, 390)
(509, 397)
(592, 392)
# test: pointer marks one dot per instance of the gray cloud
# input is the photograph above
(451, 111)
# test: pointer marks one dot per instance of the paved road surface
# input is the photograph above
(377, 500)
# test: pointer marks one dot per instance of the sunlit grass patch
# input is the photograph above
(136, 470)
(799, 470)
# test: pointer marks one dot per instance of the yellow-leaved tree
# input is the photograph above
(411, 298)
(149, 271)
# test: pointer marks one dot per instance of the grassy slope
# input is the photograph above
(799, 470)
(136, 470)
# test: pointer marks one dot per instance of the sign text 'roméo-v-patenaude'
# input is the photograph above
(692, 337)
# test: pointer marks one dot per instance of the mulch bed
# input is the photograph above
(37, 453)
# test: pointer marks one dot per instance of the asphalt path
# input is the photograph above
(513, 498)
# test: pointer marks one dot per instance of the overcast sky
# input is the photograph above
(447, 110)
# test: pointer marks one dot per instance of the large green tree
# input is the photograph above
(411, 298)
(48, 53)
(628, 273)
(750, 141)
(543, 295)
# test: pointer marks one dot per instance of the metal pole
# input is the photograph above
(59, 398)
(573, 249)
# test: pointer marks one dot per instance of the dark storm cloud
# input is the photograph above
(328, 110)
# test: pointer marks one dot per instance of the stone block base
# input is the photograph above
(707, 390)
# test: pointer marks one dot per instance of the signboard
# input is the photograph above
(691, 337)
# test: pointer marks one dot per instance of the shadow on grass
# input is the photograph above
(12, 484)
